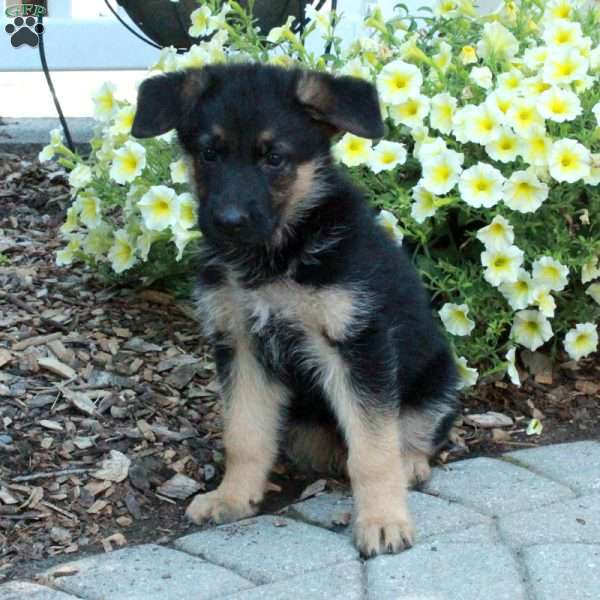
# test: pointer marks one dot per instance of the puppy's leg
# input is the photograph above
(253, 403)
(370, 424)
(423, 431)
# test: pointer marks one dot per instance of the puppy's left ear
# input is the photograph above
(346, 103)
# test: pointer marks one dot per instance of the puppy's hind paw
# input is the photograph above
(377, 536)
(418, 471)
(214, 506)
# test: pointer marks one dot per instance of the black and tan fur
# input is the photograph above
(320, 325)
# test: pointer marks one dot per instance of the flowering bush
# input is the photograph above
(489, 168)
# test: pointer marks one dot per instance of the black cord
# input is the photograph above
(137, 35)
(61, 116)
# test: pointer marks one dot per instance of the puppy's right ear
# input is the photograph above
(158, 105)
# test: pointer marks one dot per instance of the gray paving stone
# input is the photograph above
(495, 487)
(23, 590)
(575, 521)
(432, 516)
(265, 551)
(446, 572)
(342, 582)
(148, 572)
(321, 509)
(569, 571)
(478, 534)
(576, 464)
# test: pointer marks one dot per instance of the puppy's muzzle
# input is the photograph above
(231, 220)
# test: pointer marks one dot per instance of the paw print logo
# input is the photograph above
(24, 31)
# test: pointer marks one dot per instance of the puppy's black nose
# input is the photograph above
(231, 219)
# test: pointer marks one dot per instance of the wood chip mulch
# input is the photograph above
(109, 419)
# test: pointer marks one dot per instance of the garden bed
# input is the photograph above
(89, 372)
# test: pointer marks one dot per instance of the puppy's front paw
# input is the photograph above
(376, 535)
(219, 508)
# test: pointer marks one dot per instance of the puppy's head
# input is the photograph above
(258, 138)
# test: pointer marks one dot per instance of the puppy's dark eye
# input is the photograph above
(275, 160)
(209, 154)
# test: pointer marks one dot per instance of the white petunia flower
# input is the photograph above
(534, 87)
(399, 81)
(482, 76)
(187, 211)
(467, 376)
(511, 368)
(195, 58)
(524, 192)
(179, 171)
(510, 82)
(498, 234)
(80, 176)
(481, 185)
(423, 205)
(159, 208)
(505, 148)
(543, 300)
(387, 156)
(594, 177)
(104, 101)
(562, 33)
(531, 329)
(98, 240)
(483, 125)
(569, 160)
(353, 150)
(535, 57)
(128, 162)
(390, 224)
(581, 340)
(181, 238)
(71, 220)
(442, 111)
(500, 103)
(468, 55)
(201, 22)
(594, 292)
(560, 9)
(90, 212)
(442, 171)
(524, 117)
(144, 241)
(123, 120)
(550, 273)
(167, 60)
(122, 253)
(559, 105)
(456, 319)
(429, 147)
(590, 270)
(536, 147)
(277, 34)
(410, 113)
(497, 43)
(445, 8)
(502, 265)
(518, 293)
(564, 66)
(355, 68)
(67, 255)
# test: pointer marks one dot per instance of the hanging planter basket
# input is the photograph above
(166, 23)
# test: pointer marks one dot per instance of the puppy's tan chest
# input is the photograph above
(333, 310)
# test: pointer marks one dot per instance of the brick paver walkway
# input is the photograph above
(525, 526)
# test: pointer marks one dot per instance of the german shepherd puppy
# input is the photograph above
(319, 322)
